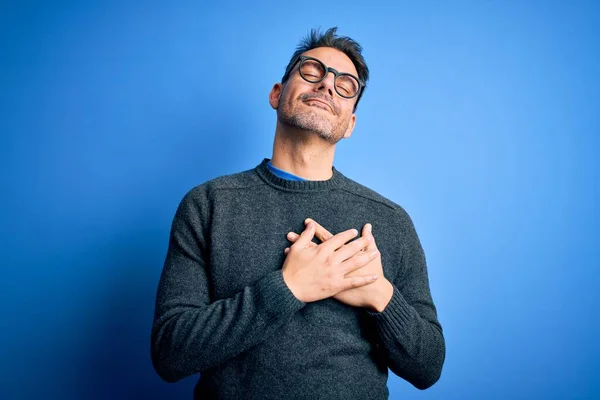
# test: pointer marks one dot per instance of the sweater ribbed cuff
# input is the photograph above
(275, 296)
(395, 317)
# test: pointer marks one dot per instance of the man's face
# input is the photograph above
(316, 107)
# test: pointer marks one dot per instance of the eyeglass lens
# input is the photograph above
(314, 71)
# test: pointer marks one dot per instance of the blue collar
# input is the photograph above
(283, 174)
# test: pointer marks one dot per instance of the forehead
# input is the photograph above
(333, 58)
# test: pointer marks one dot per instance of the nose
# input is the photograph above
(327, 84)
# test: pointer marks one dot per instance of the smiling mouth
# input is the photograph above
(319, 104)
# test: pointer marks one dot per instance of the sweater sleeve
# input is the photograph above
(408, 328)
(190, 333)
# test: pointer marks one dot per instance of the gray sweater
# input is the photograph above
(224, 311)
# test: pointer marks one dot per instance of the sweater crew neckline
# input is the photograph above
(269, 177)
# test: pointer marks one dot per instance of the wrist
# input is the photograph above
(383, 296)
(288, 283)
(292, 287)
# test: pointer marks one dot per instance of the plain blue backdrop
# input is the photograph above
(481, 119)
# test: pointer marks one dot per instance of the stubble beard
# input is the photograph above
(310, 121)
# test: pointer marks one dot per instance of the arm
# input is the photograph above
(191, 333)
(407, 324)
(410, 334)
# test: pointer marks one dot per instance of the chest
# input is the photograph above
(247, 239)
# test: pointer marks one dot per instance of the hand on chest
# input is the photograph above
(246, 248)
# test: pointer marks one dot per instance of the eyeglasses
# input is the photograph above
(314, 71)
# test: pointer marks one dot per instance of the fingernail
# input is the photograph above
(291, 234)
(307, 220)
(369, 228)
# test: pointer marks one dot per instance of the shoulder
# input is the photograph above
(198, 199)
(377, 200)
(236, 181)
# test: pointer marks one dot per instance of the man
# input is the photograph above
(266, 290)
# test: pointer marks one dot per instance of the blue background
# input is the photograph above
(481, 119)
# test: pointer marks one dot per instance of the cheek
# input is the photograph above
(286, 96)
(294, 89)
(346, 115)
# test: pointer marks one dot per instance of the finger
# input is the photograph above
(321, 233)
(359, 260)
(287, 250)
(338, 240)
(350, 249)
(368, 231)
(306, 236)
(292, 236)
(365, 233)
(358, 281)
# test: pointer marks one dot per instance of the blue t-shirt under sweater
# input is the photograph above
(283, 174)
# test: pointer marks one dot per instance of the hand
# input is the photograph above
(375, 296)
(315, 272)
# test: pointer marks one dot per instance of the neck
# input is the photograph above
(303, 154)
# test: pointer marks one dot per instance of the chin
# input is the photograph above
(316, 124)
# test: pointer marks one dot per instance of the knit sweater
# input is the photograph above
(223, 309)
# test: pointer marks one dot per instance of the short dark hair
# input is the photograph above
(329, 39)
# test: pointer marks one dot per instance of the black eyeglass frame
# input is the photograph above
(335, 72)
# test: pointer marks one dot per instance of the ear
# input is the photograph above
(350, 128)
(275, 95)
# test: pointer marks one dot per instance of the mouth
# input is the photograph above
(319, 104)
